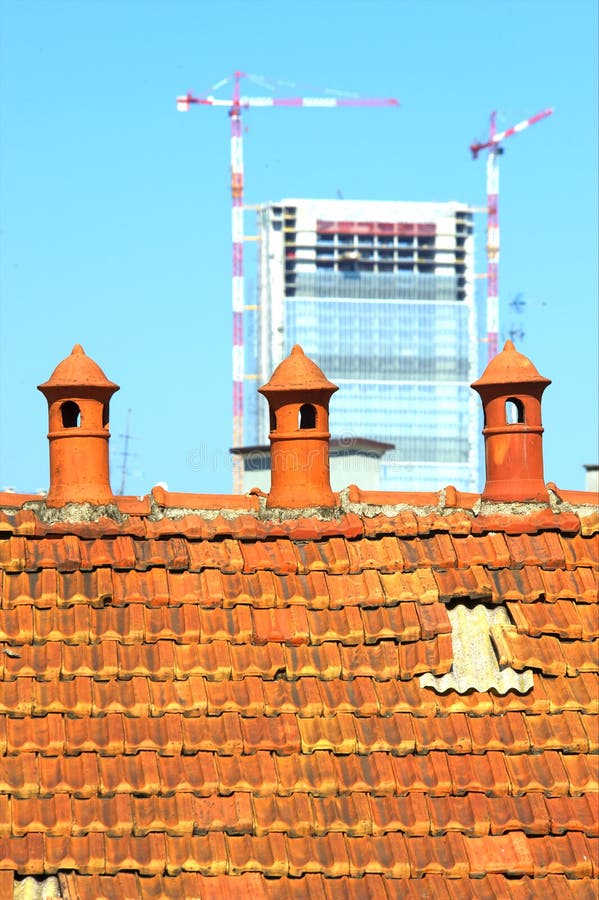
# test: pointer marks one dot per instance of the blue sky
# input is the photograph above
(115, 211)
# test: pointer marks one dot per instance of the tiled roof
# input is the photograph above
(204, 701)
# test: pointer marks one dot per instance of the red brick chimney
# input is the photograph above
(298, 396)
(78, 395)
(511, 390)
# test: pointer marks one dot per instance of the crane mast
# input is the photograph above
(235, 105)
(493, 145)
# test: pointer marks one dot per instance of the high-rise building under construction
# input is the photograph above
(381, 296)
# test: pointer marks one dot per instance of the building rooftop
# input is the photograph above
(366, 694)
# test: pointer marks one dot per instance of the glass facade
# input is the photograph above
(383, 303)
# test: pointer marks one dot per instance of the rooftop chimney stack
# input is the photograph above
(298, 396)
(511, 390)
(78, 395)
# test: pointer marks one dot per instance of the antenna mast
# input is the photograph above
(495, 150)
(235, 106)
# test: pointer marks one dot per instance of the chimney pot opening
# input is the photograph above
(514, 411)
(71, 414)
(307, 416)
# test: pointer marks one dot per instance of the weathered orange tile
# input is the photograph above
(382, 854)
(379, 661)
(268, 854)
(131, 697)
(544, 772)
(301, 697)
(329, 556)
(195, 774)
(173, 623)
(438, 855)
(42, 661)
(574, 814)
(129, 774)
(312, 774)
(404, 696)
(293, 815)
(257, 590)
(73, 697)
(185, 695)
(83, 853)
(16, 625)
(76, 775)
(510, 854)
(172, 815)
(154, 660)
(468, 815)
(434, 655)
(507, 733)
(309, 590)
(164, 734)
(489, 550)
(578, 584)
(277, 555)
(373, 774)
(581, 774)
(234, 625)
(419, 586)
(487, 773)
(278, 734)
(326, 855)
(245, 697)
(382, 554)
(103, 815)
(104, 735)
(323, 661)
(558, 732)
(399, 623)
(50, 815)
(408, 814)
(287, 626)
(24, 855)
(528, 813)
(123, 624)
(522, 652)
(579, 550)
(472, 584)
(560, 618)
(354, 590)
(220, 734)
(394, 734)
(428, 773)
(145, 855)
(212, 660)
(356, 696)
(264, 661)
(568, 854)
(342, 625)
(45, 735)
(254, 774)
(16, 697)
(337, 734)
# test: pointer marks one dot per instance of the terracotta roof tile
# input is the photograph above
(209, 700)
(350, 774)
(573, 814)
(489, 550)
(292, 815)
(419, 585)
(468, 814)
(381, 854)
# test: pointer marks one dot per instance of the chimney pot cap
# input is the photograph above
(510, 367)
(298, 373)
(78, 370)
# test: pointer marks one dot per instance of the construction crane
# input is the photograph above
(235, 105)
(493, 145)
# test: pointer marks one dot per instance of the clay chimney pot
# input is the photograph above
(511, 389)
(298, 396)
(78, 395)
